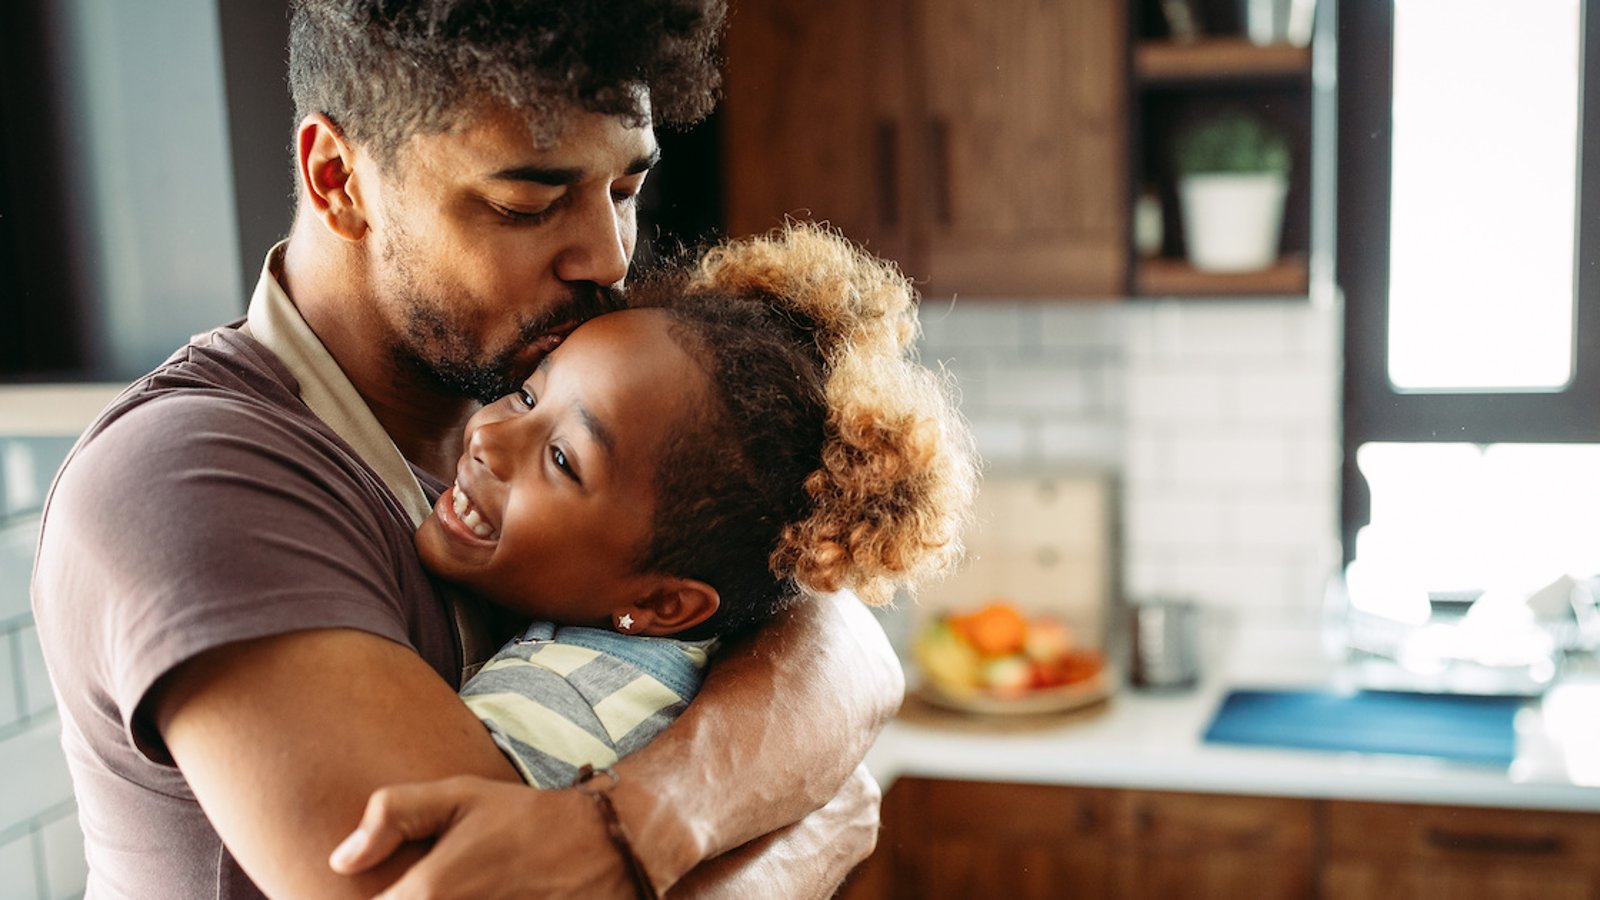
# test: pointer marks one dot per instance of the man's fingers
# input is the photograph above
(395, 815)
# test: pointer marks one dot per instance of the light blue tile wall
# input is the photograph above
(41, 848)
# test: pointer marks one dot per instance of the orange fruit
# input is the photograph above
(995, 630)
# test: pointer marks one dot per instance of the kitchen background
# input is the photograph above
(1214, 422)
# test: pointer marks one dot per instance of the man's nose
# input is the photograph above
(599, 245)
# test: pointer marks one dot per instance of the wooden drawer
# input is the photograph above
(1450, 833)
(1024, 812)
(1212, 821)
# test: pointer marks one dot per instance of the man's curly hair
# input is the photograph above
(384, 70)
(827, 456)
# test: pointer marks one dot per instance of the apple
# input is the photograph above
(1047, 640)
(1008, 676)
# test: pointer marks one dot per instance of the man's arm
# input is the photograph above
(479, 820)
(778, 727)
(781, 722)
(283, 739)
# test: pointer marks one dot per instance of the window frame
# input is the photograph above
(1373, 410)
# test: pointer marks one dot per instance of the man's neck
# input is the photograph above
(424, 422)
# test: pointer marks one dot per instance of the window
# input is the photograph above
(1471, 277)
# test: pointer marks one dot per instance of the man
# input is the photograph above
(244, 643)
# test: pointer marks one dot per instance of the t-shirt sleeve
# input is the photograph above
(193, 522)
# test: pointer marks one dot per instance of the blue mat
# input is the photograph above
(1450, 726)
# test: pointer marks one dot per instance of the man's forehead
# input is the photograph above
(499, 142)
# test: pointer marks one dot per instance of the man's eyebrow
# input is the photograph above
(561, 176)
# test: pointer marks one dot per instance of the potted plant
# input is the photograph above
(1233, 175)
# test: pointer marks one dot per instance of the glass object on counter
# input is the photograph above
(1479, 569)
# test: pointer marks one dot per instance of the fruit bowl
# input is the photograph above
(997, 660)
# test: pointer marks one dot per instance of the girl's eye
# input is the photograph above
(559, 457)
(526, 398)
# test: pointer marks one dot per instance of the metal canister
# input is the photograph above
(1164, 643)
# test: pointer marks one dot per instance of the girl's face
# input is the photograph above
(554, 495)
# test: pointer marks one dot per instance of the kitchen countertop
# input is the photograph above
(1152, 740)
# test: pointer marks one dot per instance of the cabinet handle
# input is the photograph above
(1510, 844)
(939, 150)
(1087, 820)
(886, 159)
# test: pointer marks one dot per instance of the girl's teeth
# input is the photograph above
(470, 517)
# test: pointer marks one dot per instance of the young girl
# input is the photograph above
(753, 429)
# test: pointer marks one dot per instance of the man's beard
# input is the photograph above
(437, 351)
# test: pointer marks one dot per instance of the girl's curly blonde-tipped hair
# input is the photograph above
(836, 460)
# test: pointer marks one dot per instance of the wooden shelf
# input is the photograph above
(1218, 59)
(1166, 277)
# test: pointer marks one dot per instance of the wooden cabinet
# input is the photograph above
(1416, 852)
(958, 840)
(954, 839)
(981, 145)
(1204, 846)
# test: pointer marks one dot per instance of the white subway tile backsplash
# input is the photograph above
(1036, 388)
(1286, 522)
(1171, 522)
(1081, 441)
(1314, 337)
(1185, 332)
(1233, 459)
(1081, 327)
(975, 325)
(1314, 457)
(1249, 580)
(1002, 441)
(1177, 396)
(66, 871)
(19, 874)
(1283, 395)
(1149, 573)
(1147, 459)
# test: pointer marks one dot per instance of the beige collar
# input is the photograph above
(276, 323)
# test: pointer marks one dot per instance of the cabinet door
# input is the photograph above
(1203, 846)
(817, 119)
(1422, 852)
(964, 840)
(1024, 170)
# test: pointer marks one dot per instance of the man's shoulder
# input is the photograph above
(219, 372)
(220, 419)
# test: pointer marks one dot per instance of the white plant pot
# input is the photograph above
(1232, 223)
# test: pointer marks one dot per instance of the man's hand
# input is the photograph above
(476, 824)
(479, 825)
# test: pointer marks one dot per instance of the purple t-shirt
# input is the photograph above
(206, 505)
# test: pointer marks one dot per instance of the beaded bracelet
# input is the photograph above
(619, 835)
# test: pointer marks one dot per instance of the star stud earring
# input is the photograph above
(625, 621)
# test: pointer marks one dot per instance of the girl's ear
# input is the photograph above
(678, 604)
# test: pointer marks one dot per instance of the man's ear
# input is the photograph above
(677, 604)
(327, 173)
